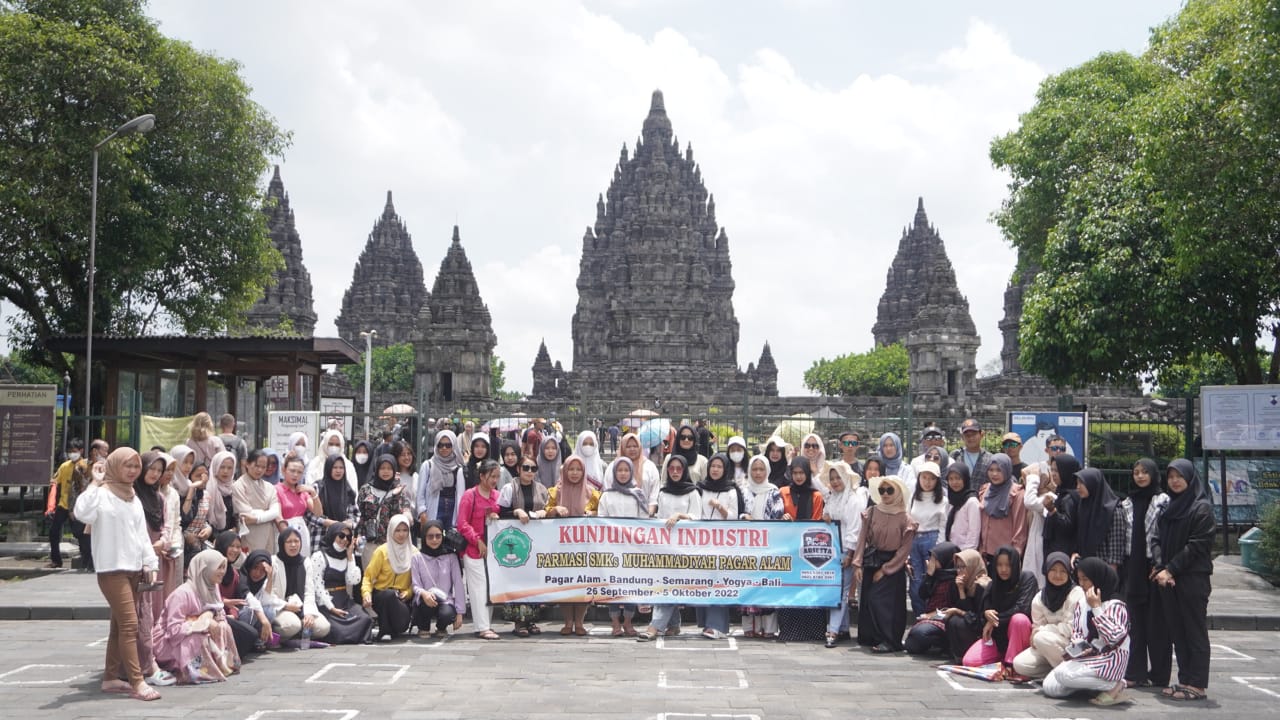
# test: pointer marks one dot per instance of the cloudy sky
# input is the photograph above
(817, 124)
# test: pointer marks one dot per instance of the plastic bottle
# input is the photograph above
(306, 639)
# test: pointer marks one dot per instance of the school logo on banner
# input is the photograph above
(818, 547)
(511, 548)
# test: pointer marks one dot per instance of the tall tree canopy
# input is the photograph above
(883, 370)
(181, 243)
(1145, 200)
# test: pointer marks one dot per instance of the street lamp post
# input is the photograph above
(66, 401)
(140, 124)
(368, 369)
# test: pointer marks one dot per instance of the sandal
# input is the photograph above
(521, 632)
(619, 632)
(831, 640)
(161, 678)
(580, 632)
(116, 687)
(535, 630)
(1183, 692)
(882, 649)
(1106, 699)
(647, 636)
(488, 635)
(146, 695)
(566, 631)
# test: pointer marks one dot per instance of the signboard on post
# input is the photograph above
(281, 424)
(336, 412)
(615, 560)
(1035, 428)
(1240, 417)
(26, 434)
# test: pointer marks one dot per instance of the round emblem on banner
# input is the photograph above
(511, 548)
(818, 547)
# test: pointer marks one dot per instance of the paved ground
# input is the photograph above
(50, 670)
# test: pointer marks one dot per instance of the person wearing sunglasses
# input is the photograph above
(931, 437)
(880, 563)
(335, 571)
(441, 482)
(686, 447)
(1011, 445)
(525, 500)
(813, 450)
(438, 593)
(850, 441)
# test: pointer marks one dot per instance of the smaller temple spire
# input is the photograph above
(657, 127)
(921, 219)
(390, 209)
(457, 239)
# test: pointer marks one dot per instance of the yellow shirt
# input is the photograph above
(379, 576)
(66, 473)
(593, 501)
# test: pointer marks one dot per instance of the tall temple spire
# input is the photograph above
(288, 297)
(386, 289)
(455, 339)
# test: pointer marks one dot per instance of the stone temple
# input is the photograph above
(655, 315)
(288, 297)
(387, 290)
(454, 340)
(922, 308)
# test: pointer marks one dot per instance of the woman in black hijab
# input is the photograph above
(1100, 530)
(1059, 524)
(339, 572)
(938, 588)
(798, 500)
(337, 501)
(1006, 607)
(1183, 565)
(775, 451)
(251, 628)
(1150, 652)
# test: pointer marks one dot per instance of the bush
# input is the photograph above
(1269, 549)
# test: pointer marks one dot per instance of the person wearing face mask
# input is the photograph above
(257, 505)
(737, 452)
(335, 572)
(299, 446)
(362, 461)
(69, 481)
(588, 448)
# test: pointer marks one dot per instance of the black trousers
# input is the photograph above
(924, 637)
(960, 637)
(245, 628)
(1150, 648)
(394, 616)
(60, 518)
(443, 614)
(1186, 610)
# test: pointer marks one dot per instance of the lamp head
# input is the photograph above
(140, 124)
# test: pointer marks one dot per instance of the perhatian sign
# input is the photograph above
(26, 434)
(1240, 417)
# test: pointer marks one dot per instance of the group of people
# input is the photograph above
(1041, 571)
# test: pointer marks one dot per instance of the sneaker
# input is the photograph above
(161, 678)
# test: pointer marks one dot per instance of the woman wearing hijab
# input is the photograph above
(509, 456)
(441, 482)
(775, 452)
(337, 503)
(291, 584)
(171, 558)
(274, 472)
(438, 593)
(677, 500)
(737, 450)
(941, 601)
(379, 502)
(387, 587)
(972, 583)
(299, 446)
(721, 500)
(220, 489)
(186, 461)
(478, 506)
(334, 571)
(813, 450)
(759, 493)
(249, 624)
(149, 491)
(197, 531)
(799, 500)
(844, 505)
(1051, 613)
(1037, 496)
(1183, 562)
(256, 504)
(686, 446)
(1060, 514)
(573, 496)
(332, 444)
(362, 462)
(195, 642)
(890, 453)
(622, 498)
(479, 452)
(1004, 516)
(964, 512)
(257, 574)
(123, 558)
(1006, 608)
(929, 510)
(524, 499)
(648, 477)
(880, 563)
(1099, 647)
(588, 448)
(1150, 651)
(298, 502)
(1100, 530)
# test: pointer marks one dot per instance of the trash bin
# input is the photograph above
(1249, 554)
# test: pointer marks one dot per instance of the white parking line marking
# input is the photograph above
(951, 680)
(345, 714)
(671, 716)
(399, 673)
(700, 645)
(1239, 656)
(46, 667)
(738, 678)
(99, 642)
(1248, 681)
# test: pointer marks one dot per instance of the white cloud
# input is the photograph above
(508, 119)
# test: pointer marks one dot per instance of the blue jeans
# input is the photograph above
(920, 549)
(838, 618)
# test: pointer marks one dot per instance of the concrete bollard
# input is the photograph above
(21, 530)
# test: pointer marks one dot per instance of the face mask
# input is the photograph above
(736, 456)
(73, 457)
(332, 450)
(588, 450)
(362, 458)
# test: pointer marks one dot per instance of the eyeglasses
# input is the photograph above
(683, 438)
(850, 443)
(434, 536)
(444, 446)
(529, 468)
(885, 490)
(1011, 444)
(344, 536)
(811, 446)
(1056, 448)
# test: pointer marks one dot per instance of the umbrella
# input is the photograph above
(400, 409)
(654, 431)
(794, 428)
(505, 424)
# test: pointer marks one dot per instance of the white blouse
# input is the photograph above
(120, 537)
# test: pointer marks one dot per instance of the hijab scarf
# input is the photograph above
(273, 477)
(113, 477)
(255, 558)
(204, 564)
(740, 469)
(944, 460)
(691, 455)
(473, 463)
(802, 493)
(593, 466)
(777, 469)
(894, 504)
(443, 470)
(1067, 466)
(222, 543)
(820, 471)
(996, 502)
(181, 482)
(890, 467)
(974, 569)
(1053, 596)
(549, 470)
(945, 555)
(152, 503)
(957, 499)
(295, 569)
(427, 549)
(400, 555)
(1180, 504)
(375, 478)
(335, 495)
(685, 485)
(573, 496)
(1095, 513)
(513, 469)
(300, 452)
(630, 487)
(1104, 579)
(1004, 593)
(327, 543)
(758, 491)
(259, 493)
(725, 483)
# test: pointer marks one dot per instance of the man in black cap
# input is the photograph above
(972, 453)
(930, 437)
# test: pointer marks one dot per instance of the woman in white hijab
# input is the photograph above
(332, 444)
(815, 451)
(299, 446)
(387, 588)
(588, 448)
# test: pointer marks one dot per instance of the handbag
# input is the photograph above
(453, 541)
(872, 558)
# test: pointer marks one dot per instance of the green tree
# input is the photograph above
(392, 369)
(880, 371)
(182, 244)
(17, 369)
(498, 380)
(1144, 200)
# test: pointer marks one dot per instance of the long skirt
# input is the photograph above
(802, 624)
(349, 630)
(882, 615)
(171, 574)
(203, 657)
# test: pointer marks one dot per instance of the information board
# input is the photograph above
(283, 423)
(26, 434)
(1240, 417)
(1035, 428)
